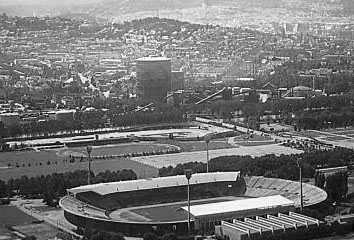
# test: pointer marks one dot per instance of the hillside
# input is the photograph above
(224, 12)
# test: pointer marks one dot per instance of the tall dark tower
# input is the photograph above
(154, 78)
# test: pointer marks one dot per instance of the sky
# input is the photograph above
(45, 2)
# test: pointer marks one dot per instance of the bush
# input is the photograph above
(169, 236)
(150, 236)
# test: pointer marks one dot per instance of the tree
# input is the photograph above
(336, 187)
(94, 234)
(30, 238)
(320, 180)
(169, 236)
(150, 236)
(3, 190)
(48, 196)
(24, 187)
(116, 236)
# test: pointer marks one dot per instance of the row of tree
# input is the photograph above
(311, 113)
(95, 234)
(93, 120)
(335, 184)
(225, 108)
(325, 119)
(167, 114)
(283, 166)
(289, 75)
(52, 187)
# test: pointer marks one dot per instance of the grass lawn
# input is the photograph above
(252, 140)
(61, 166)
(27, 157)
(335, 138)
(11, 216)
(32, 163)
(193, 146)
(116, 149)
(41, 231)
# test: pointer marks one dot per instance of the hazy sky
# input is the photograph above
(46, 2)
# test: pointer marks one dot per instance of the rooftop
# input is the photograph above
(239, 205)
(149, 59)
(143, 184)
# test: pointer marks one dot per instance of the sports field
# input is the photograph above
(163, 133)
(111, 157)
(116, 149)
(33, 163)
(44, 162)
(250, 140)
(338, 136)
(162, 212)
(173, 160)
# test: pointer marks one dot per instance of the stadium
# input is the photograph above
(160, 204)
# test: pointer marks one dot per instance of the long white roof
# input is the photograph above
(142, 184)
(239, 205)
(152, 59)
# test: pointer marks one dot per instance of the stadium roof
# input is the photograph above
(162, 182)
(221, 208)
(153, 58)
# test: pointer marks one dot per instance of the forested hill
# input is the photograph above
(118, 7)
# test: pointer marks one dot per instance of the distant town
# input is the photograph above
(56, 66)
(199, 119)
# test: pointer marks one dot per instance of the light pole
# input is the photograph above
(89, 150)
(188, 173)
(301, 196)
(207, 140)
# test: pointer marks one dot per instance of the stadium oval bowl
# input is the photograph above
(140, 206)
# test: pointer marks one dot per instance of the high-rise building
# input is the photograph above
(177, 80)
(154, 78)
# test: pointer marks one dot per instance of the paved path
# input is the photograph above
(160, 161)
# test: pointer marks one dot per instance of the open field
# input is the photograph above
(53, 218)
(192, 146)
(33, 163)
(116, 149)
(11, 216)
(61, 155)
(334, 138)
(42, 231)
(338, 137)
(177, 133)
(250, 140)
(97, 166)
(173, 160)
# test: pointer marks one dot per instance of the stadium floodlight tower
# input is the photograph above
(300, 173)
(207, 139)
(89, 150)
(188, 173)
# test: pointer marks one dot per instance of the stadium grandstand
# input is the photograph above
(282, 226)
(160, 204)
